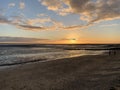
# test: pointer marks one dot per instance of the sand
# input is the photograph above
(99, 72)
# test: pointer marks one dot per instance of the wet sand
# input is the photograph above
(100, 72)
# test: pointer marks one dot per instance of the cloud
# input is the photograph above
(110, 25)
(37, 24)
(52, 5)
(92, 11)
(4, 39)
(74, 27)
(37, 28)
(89, 10)
(29, 27)
(4, 20)
(55, 5)
(38, 21)
(98, 11)
(42, 15)
(11, 4)
(22, 5)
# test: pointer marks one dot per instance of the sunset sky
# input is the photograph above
(60, 21)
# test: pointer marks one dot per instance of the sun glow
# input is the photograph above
(73, 40)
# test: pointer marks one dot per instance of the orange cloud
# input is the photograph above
(22, 5)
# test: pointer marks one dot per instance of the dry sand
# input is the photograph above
(80, 73)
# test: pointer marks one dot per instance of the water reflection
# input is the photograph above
(17, 55)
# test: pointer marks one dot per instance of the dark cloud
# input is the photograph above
(28, 27)
(4, 20)
(20, 39)
(96, 11)
(78, 5)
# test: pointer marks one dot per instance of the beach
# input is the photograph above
(97, 72)
(60, 45)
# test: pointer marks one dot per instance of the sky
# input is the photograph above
(60, 21)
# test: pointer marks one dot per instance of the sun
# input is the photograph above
(73, 40)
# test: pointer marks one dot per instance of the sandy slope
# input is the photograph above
(80, 73)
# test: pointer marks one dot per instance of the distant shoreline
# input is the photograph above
(102, 46)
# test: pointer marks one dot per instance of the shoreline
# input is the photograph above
(17, 65)
(99, 72)
(43, 60)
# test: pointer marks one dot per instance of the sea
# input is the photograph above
(29, 53)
